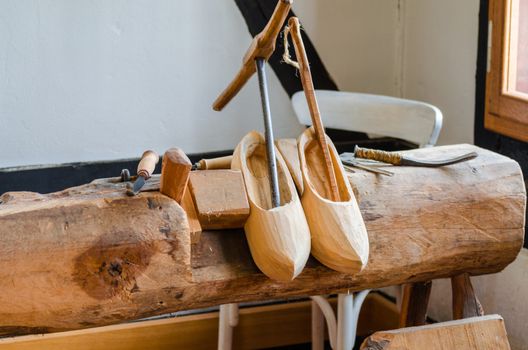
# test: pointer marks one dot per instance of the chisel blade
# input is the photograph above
(138, 184)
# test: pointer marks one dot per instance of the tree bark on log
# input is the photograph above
(91, 256)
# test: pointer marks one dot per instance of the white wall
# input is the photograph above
(439, 63)
(95, 80)
(356, 40)
(418, 49)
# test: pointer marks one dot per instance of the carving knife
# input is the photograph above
(397, 158)
(145, 168)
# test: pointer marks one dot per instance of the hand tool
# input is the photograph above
(145, 168)
(214, 163)
(255, 59)
(397, 158)
(125, 175)
(373, 168)
(308, 87)
(175, 170)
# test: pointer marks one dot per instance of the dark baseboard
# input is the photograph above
(44, 179)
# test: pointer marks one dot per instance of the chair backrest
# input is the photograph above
(409, 120)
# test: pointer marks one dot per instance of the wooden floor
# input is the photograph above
(260, 327)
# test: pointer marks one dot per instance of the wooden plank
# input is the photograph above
(273, 326)
(478, 333)
(414, 303)
(423, 224)
(465, 302)
(220, 199)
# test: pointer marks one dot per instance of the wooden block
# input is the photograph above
(194, 224)
(220, 198)
(175, 170)
(478, 333)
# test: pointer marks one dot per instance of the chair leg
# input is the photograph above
(328, 313)
(318, 327)
(465, 302)
(358, 303)
(415, 300)
(341, 333)
(228, 320)
(345, 305)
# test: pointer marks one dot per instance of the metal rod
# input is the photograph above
(268, 132)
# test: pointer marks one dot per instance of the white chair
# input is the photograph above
(413, 121)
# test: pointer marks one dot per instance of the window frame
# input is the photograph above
(506, 112)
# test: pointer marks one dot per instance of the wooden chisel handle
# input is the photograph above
(215, 163)
(262, 46)
(147, 164)
(393, 158)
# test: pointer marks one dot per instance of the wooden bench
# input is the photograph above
(91, 256)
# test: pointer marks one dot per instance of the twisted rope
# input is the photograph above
(286, 56)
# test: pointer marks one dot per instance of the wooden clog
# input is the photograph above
(339, 236)
(279, 238)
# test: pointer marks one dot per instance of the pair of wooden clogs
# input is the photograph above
(281, 238)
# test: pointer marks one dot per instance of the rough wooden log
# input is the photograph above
(91, 256)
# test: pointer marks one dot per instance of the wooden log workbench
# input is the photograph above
(91, 256)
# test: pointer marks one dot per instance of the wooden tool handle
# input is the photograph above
(269, 34)
(147, 164)
(393, 158)
(262, 46)
(243, 75)
(175, 170)
(309, 92)
(215, 163)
